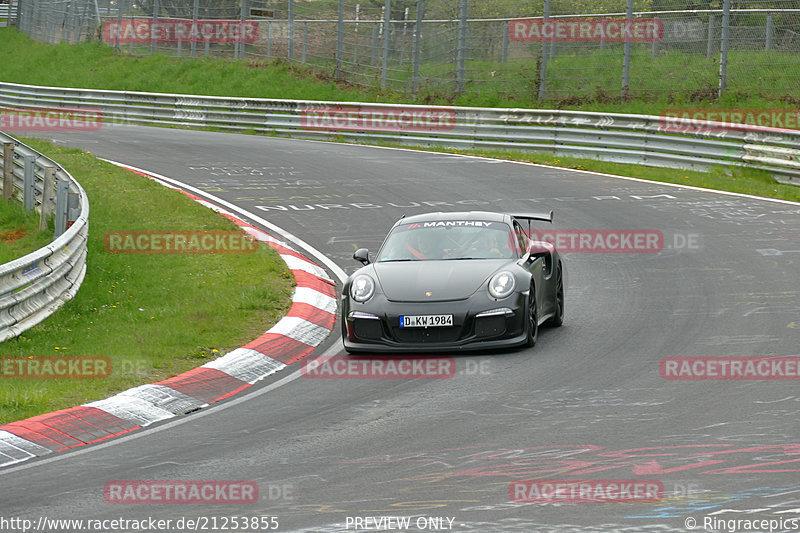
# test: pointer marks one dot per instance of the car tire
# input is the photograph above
(558, 318)
(532, 316)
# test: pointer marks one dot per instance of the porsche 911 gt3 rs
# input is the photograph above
(453, 281)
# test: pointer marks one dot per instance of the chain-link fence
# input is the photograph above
(548, 49)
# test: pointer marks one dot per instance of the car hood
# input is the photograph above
(413, 281)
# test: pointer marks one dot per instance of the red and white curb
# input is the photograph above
(309, 321)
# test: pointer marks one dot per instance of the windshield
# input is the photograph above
(448, 240)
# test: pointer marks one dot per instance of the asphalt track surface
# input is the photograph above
(588, 402)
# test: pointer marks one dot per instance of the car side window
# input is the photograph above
(522, 239)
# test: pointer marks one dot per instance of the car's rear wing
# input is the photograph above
(547, 217)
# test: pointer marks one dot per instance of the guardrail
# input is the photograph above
(624, 138)
(5, 11)
(34, 286)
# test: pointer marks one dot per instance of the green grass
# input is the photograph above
(96, 66)
(154, 315)
(755, 78)
(19, 231)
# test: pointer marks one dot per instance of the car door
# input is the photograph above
(540, 265)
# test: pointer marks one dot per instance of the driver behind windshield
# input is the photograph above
(425, 245)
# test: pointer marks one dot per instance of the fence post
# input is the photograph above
(654, 52)
(269, 39)
(339, 40)
(723, 57)
(710, 45)
(120, 3)
(79, 18)
(387, 19)
(603, 35)
(69, 26)
(462, 45)
(50, 25)
(290, 51)
(133, 25)
(356, 41)
(62, 193)
(40, 18)
(417, 43)
(305, 41)
(626, 62)
(8, 170)
(195, 16)
(240, 38)
(768, 44)
(29, 183)
(47, 196)
(98, 22)
(374, 58)
(93, 27)
(543, 62)
(156, 9)
(505, 42)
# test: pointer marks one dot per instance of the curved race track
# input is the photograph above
(587, 402)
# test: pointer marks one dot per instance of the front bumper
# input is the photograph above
(479, 323)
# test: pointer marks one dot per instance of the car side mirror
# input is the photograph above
(540, 249)
(362, 256)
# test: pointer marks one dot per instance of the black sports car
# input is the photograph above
(453, 281)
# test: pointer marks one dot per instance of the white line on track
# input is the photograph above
(333, 268)
(590, 172)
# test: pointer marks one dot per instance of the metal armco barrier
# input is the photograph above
(34, 286)
(637, 139)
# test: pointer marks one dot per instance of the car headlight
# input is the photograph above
(502, 284)
(362, 288)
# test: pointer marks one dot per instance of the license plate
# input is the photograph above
(425, 321)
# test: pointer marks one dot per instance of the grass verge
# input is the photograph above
(153, 315)
(491, 84)
(19, 231)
